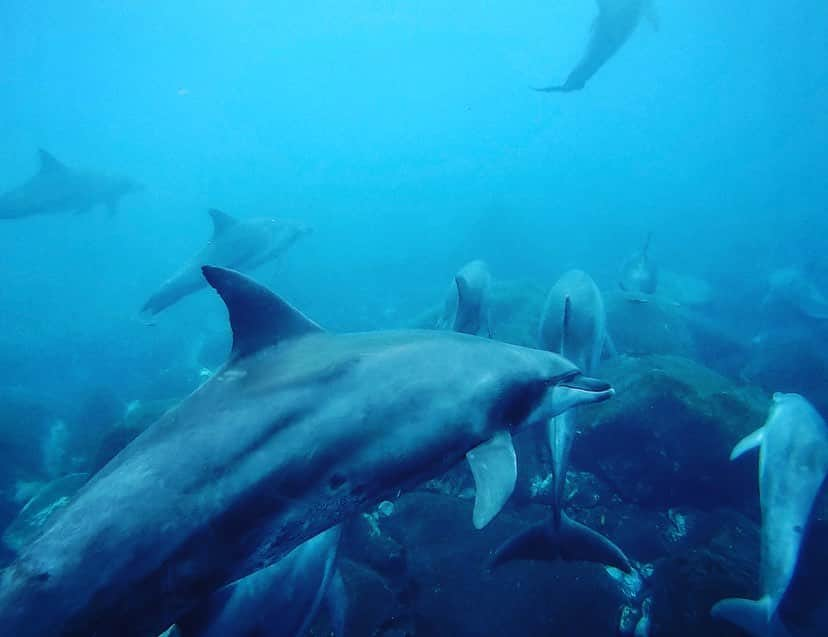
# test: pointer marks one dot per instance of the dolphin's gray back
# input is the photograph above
(586, 330)
(793, 464)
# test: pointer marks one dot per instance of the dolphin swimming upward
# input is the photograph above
(241, 244)
(616, 21)
(58, 188)
(299, 430)
(793, 463)
(577, 302)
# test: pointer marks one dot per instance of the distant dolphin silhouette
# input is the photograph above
(615, 23)
(58, 188)
(467, 308)
(243, 244)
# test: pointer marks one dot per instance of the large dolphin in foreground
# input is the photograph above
(298, 431)
(57, 188)
(615, 23)
(793, 463)
(576, 303)
(241, 244)
(467, 307)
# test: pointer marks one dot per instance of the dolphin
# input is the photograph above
(299, 430)
(241, 244)
(278, 601)
(790, 287)
(615, 23)
(793, 463)
(639, 276)
(467, 304)
(581, 336)
(57, 188)
(576, 297)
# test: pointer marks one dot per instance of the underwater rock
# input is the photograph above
(449, 589)
(654, 326)
(665, 438)
(791, 360)
(685, 585)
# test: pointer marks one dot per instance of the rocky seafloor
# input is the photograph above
(650, 470)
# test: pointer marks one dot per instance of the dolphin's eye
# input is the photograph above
(517, 401)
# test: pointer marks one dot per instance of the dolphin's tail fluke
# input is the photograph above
(572, 541)
(757, 618)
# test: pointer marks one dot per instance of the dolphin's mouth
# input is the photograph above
(589, 385)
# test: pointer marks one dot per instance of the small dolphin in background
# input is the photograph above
(793, 463)
(639, 276)
(241, 244)
(615, 23)
(576, 304)
(57, 188)
(281, 600)
(467, 307)
(790, 286)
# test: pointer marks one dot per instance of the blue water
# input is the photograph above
(406, 134)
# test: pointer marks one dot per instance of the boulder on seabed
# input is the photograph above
(653, 326)
(665, 439)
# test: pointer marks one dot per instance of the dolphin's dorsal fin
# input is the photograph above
(566, 319)
(221, 221)
(48, 163)
(462, 289)
(259, 318)
(748, 443)
(494, 467)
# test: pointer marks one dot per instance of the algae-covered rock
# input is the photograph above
(686, 584)
(666, 437)
(653, 326)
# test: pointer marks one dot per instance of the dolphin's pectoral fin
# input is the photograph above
(48, 163)
(258, 317)
(221, 221)
(336, 599)
(494, 467)
(751, 616)
(572, 542)
(748, 443)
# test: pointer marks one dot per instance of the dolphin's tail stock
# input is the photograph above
(572, 541)
(756, 618)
